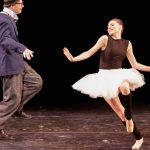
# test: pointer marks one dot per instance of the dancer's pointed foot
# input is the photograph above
(137, 144)
(129, 125)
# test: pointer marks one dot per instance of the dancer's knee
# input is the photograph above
(124, 88)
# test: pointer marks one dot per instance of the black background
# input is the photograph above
(47, 26)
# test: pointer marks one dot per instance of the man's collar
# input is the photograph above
(10, 13)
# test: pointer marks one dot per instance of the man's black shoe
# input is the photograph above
(22, 115)
(4, 135)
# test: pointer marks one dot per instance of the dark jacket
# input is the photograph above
(11, 57)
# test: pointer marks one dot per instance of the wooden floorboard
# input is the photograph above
(75, 128)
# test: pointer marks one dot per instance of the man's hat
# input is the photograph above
(8, 3)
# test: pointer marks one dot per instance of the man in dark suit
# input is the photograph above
(20, 82)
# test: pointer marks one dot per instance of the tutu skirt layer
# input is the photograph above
(106, 83)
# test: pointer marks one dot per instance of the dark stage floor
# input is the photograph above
(82, 127)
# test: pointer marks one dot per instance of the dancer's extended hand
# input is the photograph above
(68, 54)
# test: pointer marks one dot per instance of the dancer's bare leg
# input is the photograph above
(118, 108)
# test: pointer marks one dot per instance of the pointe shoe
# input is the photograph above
(129, 125)
(137, 144)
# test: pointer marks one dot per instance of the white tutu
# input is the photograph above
(106, 83)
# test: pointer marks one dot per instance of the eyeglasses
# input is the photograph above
(19, 3)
